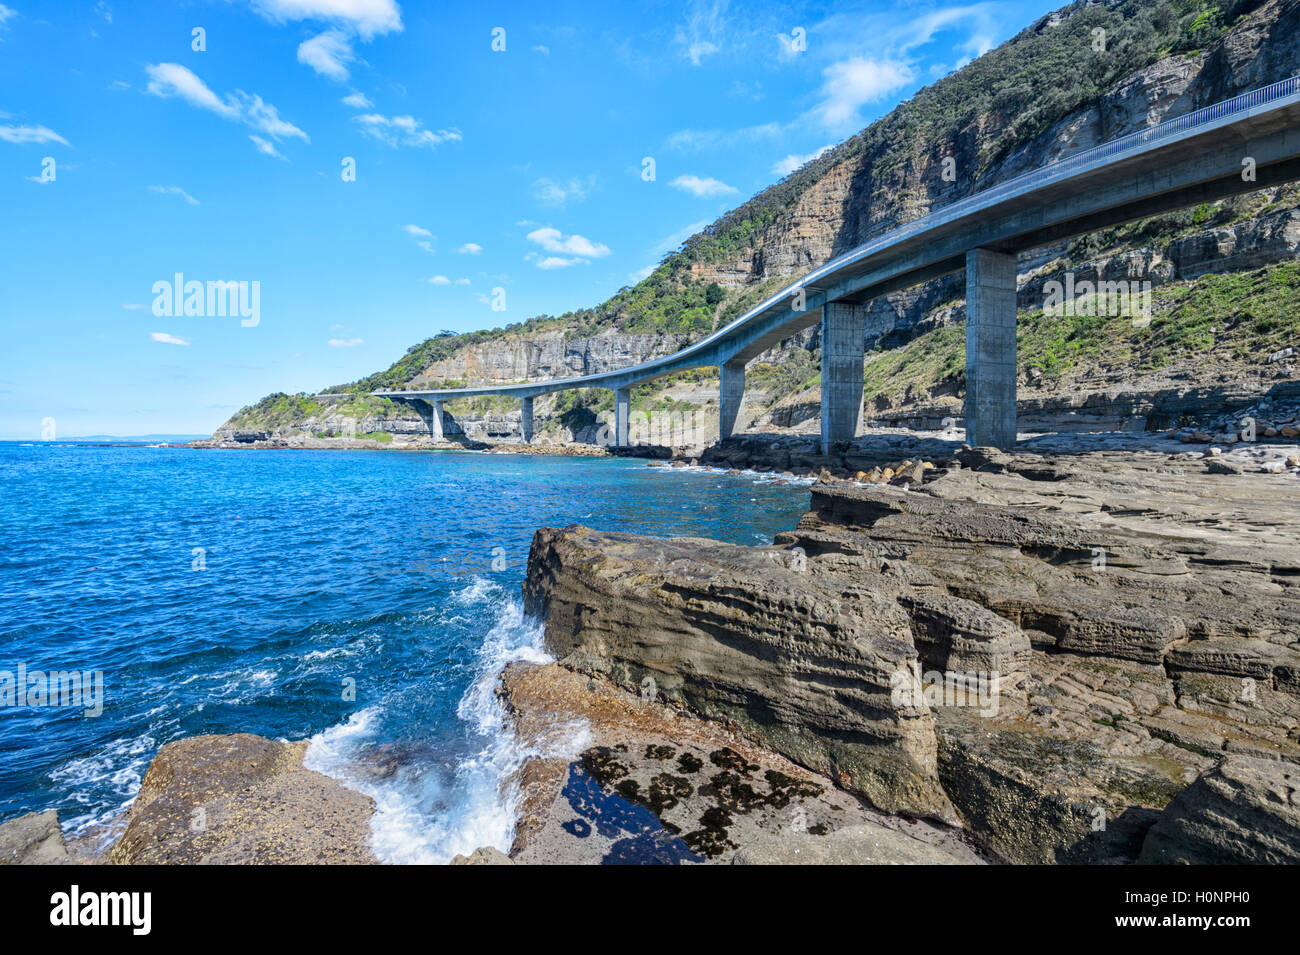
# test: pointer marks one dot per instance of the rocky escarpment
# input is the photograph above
(1246, 810)
(1045, 649)
(547, 354)
(863, 193)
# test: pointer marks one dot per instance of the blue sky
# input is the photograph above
(477, 169)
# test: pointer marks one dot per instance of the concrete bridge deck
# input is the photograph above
(1240, 145)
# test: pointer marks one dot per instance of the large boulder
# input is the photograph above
(242, 798)
(746, 634)
(1246, 810)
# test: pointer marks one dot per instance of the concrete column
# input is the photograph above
(843, 329)
(526, 419)
(431, 412)
(990, 349)
(730, 395)
(622, 411)
(435, 421)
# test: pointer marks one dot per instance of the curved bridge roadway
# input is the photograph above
(1246, 143)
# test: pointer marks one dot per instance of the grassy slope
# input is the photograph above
(1238, 318)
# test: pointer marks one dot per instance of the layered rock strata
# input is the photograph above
(1044, 649)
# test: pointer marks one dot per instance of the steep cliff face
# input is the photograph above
(547, 355)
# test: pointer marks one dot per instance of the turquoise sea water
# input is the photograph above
(242, 591)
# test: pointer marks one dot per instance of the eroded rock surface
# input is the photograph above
(1137, 619)
(624, 779)
(242, 798)
(1245, 810)
(33, 839)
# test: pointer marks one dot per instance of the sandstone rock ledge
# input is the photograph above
(242, 799)
(1138, 619)
(655, 784)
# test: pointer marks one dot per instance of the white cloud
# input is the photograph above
(553, 240)
(174, 191)
(552, 193)
(105, 11)
(404, 130)
(172, 79)
(462, 281)
(694, 140)
(6, 14)
(167, 80)
(366, 17)
(266, 147)
(642, 274)
(30, 134)
(698, 50)
(542, 49)
(328, 54)
(704, 31)
(423, 237)
(167, 339)
(742, 90)
(783, 167)
(852, 83)
(555, 261)
(345, 342)
(470, 248)
(703, 187)
(357, 100)
(440, 280)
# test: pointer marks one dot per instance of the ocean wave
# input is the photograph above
(426, 812)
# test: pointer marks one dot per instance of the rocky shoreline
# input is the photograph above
(1114, 637)
(958, 656)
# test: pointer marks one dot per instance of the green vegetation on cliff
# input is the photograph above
(1239, 317)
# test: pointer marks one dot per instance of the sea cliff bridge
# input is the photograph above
(1240, 145)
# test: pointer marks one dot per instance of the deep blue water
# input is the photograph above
(399, 571)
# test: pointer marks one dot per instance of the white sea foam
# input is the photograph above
(421, 816)
(119, 766)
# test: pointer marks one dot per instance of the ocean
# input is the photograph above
(364, 600)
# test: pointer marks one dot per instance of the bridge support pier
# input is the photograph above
(990, 349)
(526, 419)
(432, 415)
(730, 395)
(843, 329)
(622, 412)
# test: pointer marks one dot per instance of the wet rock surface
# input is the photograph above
(622, 779)
(246, 799)
(1138, 620)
